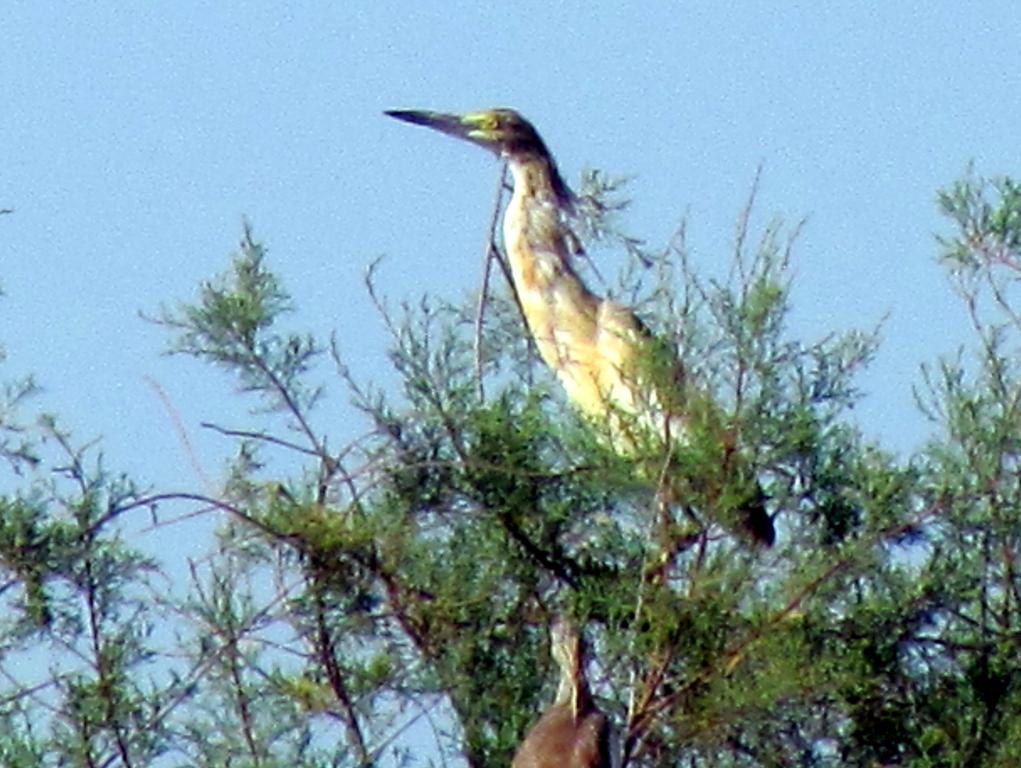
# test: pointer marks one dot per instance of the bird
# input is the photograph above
(611, 367)
(572, 733)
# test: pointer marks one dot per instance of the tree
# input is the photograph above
(409, 577)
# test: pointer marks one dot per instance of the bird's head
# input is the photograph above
(502, 131)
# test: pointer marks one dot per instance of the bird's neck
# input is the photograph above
(536, 177)
(573, 693)
(533, 229)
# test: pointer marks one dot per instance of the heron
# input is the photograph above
(572, 733)
(606, 359)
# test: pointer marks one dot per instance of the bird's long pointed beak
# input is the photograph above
(468, 127)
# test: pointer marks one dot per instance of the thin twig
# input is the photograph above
(182, 433)
(326, 650)
(742, 227)
(487, 267)
(424, 712)
(245, 434)
(494, 253)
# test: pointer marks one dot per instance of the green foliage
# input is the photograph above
(71, 585)
(407, 580)
(231, 326)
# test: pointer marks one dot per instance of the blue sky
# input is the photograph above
(134, 137)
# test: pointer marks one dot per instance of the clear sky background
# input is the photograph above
(135, 136)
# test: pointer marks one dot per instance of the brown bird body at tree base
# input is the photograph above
(603, 355)
(573, 733)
